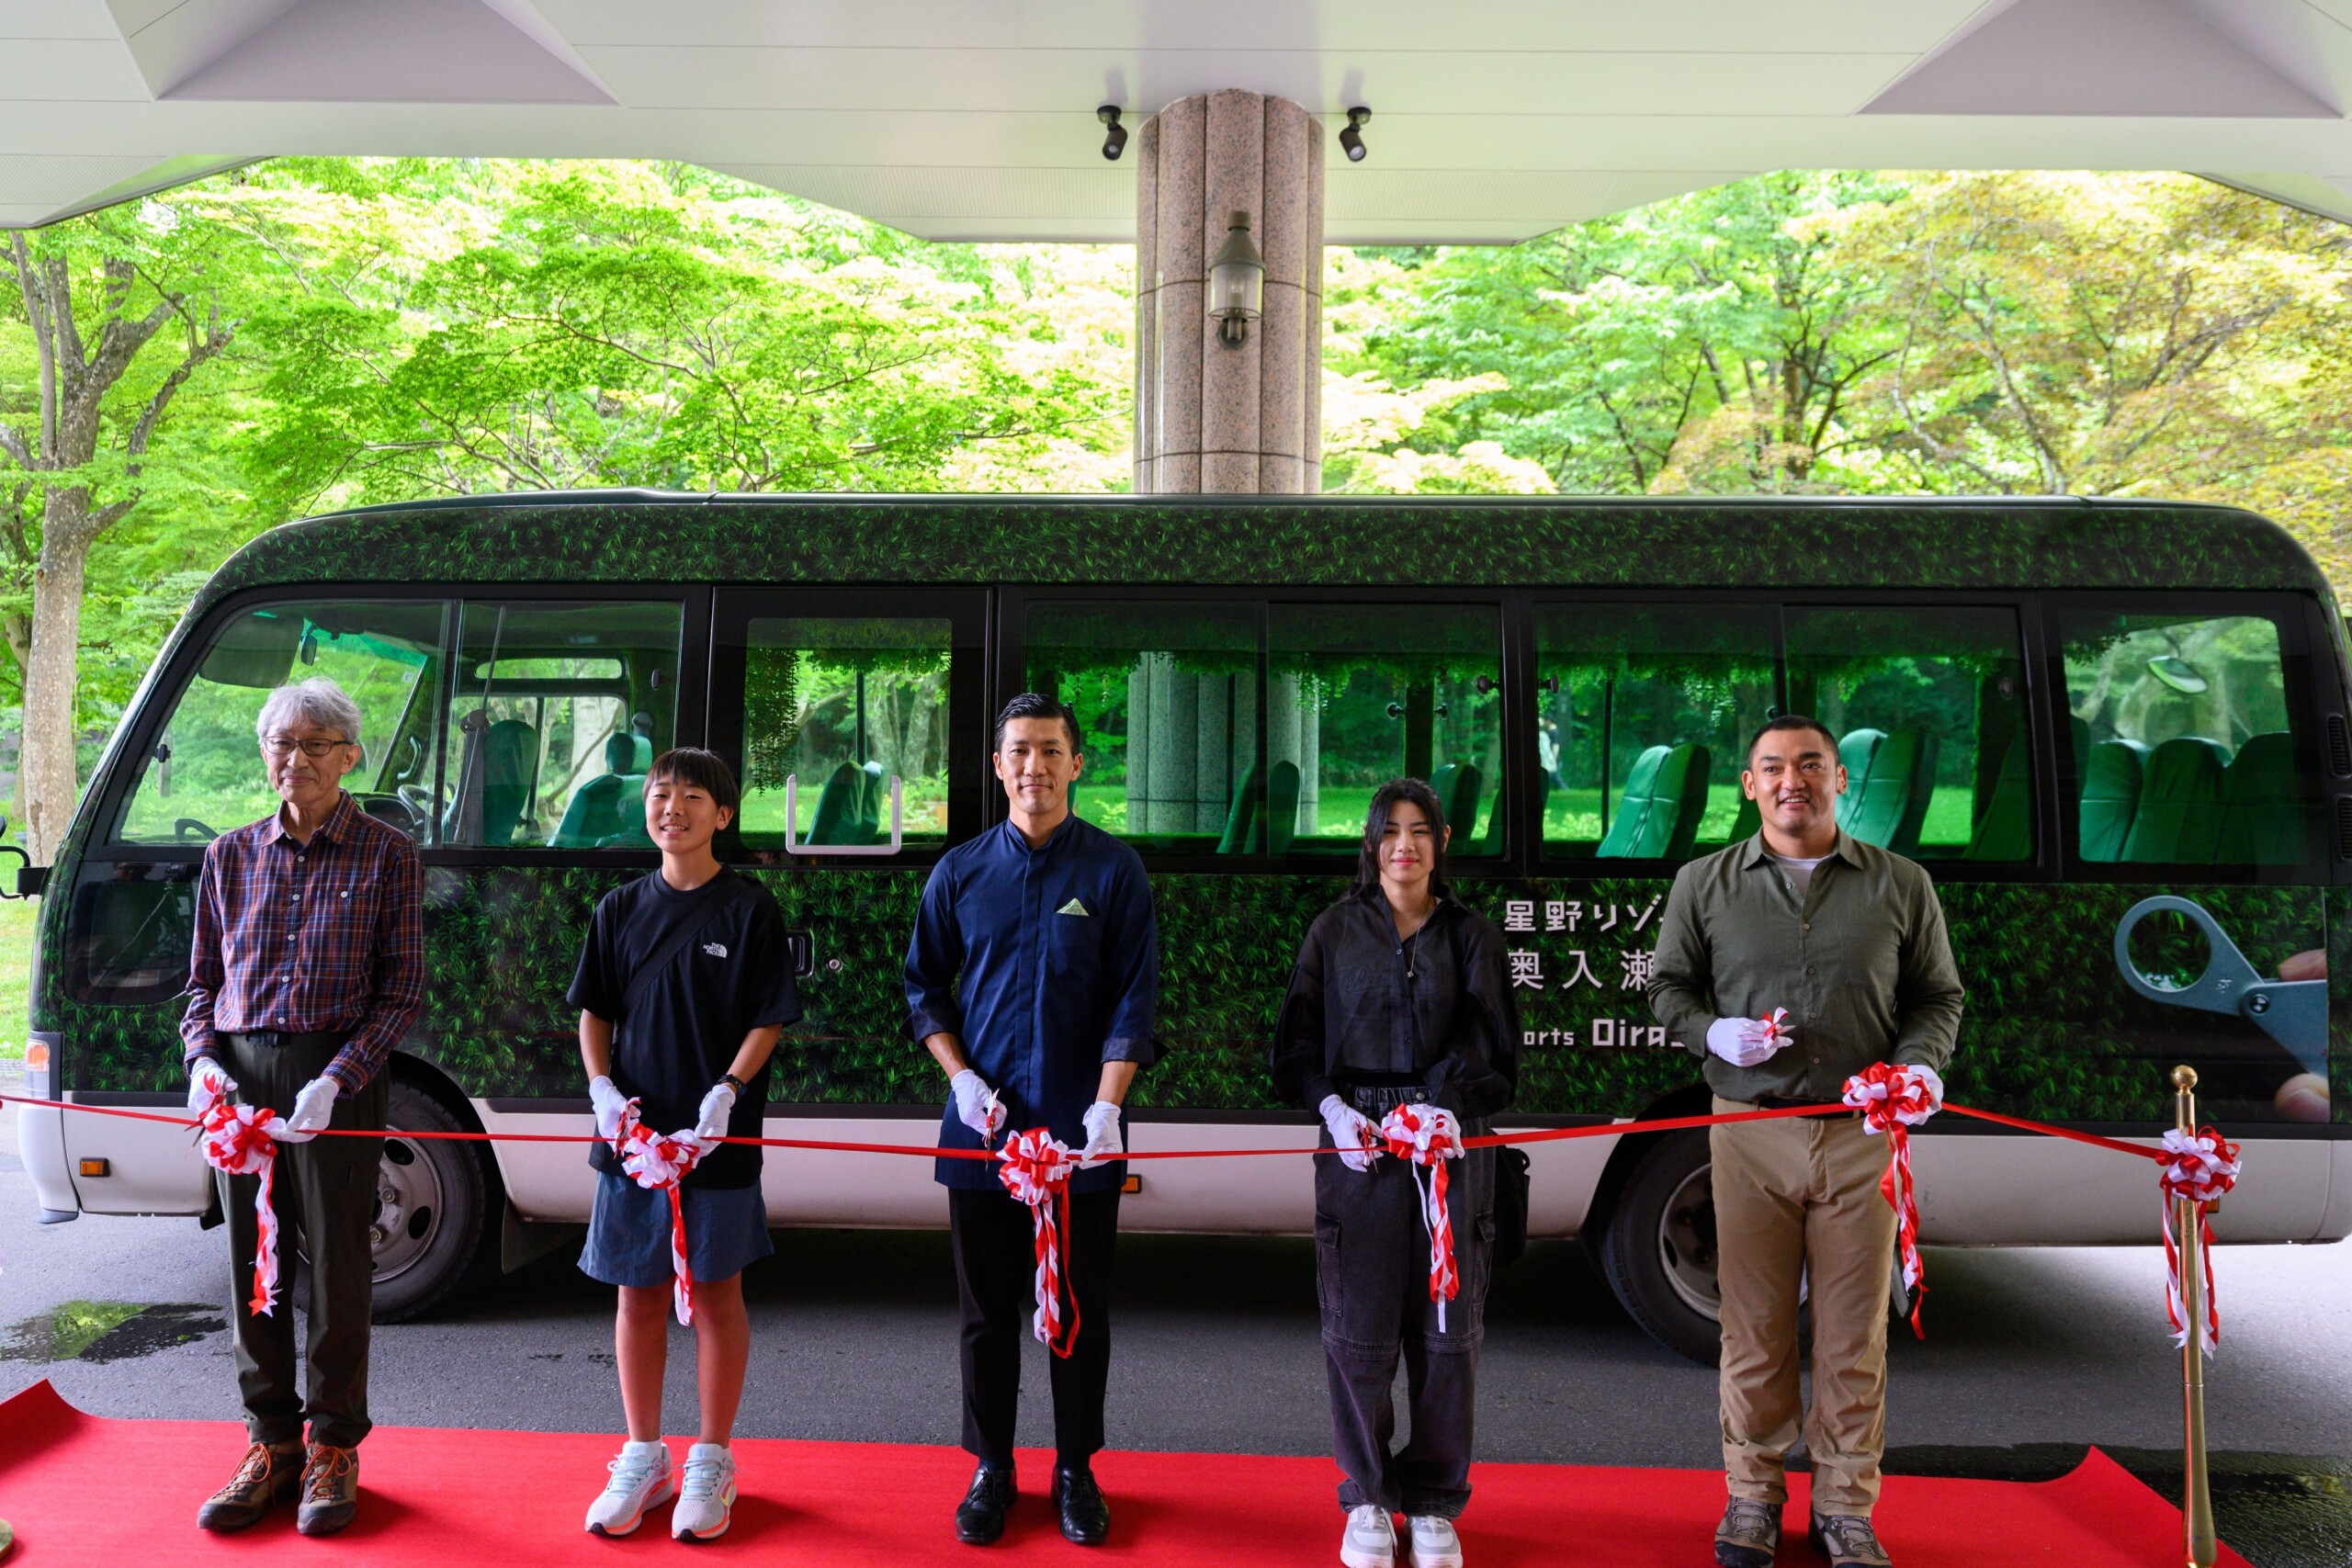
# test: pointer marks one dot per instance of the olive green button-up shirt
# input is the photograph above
(1861, 962)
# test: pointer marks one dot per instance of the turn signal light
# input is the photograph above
(97, 1168)
(37, 1069)
(1131, 1186)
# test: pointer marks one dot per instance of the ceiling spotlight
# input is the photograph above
(1352, 138)
(1115, 141)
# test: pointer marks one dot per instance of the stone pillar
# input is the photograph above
(1214, 417)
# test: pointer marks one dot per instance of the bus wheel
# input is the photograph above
(1658, 1252)
(430, 1208)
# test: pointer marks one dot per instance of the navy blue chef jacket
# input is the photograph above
(1058, 956)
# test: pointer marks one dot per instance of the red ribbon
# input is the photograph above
(659, 1163)
(238, 1140)
(2199, 1168)
(1893, 1100)
(1036, 1168)
(1415, 1133)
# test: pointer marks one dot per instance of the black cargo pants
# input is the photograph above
(1371, 1276)
(324, 1193)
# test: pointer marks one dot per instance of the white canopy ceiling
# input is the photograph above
(1494, 119)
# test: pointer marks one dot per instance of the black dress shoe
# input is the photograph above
(980, 1518)
(1086, 1518)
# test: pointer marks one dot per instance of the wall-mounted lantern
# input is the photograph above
(1236, 281)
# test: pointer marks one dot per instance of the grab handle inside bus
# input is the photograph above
(792, 815)
(2292, 1012)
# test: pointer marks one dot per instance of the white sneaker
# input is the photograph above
(707, 1501)
(1370, 1538)
(640, 1479)
(1434, 1543)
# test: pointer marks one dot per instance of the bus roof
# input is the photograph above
(636, 535)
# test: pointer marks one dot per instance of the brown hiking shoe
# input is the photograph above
(330, 1490)
(268, 1473)
(1749, 1534)
(1848, 1542)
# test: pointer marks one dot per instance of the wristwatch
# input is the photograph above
(731, 1081)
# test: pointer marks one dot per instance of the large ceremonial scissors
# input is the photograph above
(2292, 1012)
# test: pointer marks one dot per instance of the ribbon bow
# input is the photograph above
(2199, 1168)
(1036, 1168)
(1415, 1133)
(1776, 1025)
(241, 1140)
(657, 1163)
(1893, 1100)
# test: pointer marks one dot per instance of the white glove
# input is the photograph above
(1932, 1081)
(1742, 1041)
(977, 1105)
(1104, 1144)
(710, 1118)
(611, 1105)
(1353, 1132)
(313, 1107)
(207, 1080)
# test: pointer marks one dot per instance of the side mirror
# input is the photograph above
(29, 877)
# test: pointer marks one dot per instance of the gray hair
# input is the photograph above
(319, 700)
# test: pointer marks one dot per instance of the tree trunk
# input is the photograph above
(46, 766)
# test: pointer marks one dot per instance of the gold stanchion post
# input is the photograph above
(2196, 1492)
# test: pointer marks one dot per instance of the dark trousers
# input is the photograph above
(996, 1272)
(1371, 1276)
(324, 1193)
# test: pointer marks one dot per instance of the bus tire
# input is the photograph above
(432, 1207)
(1658, 1251)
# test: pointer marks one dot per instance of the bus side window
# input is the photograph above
(1360, 694)
(2183, 741)
(1167, 693)
(1643, 715)
(203, 774)
(556, 711)
(841, 705)
(1929, 707)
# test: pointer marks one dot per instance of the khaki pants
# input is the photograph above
(1798, 1199)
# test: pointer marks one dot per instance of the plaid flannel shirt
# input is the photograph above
(306, 938)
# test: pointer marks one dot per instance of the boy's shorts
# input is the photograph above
(629, 1232)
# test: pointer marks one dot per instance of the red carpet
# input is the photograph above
(83, 1490)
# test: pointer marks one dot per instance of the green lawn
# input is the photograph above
(17, 918)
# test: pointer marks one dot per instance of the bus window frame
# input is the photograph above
(2284, 609)
(1011, 666)
(155, 704)
(969, 611)
(2040, 865)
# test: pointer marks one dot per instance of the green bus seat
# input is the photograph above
(495, 769)
(1658, 817)
(1282, 807)
(1855, 754)
(1244, 828)
(2262, 810)
(1745, 822)
(2180, 819)
(1888, 808)
(841, 809)
(613, 802)
(2113, 773)
(872, 802)
(1457, 786)
(2005, 828)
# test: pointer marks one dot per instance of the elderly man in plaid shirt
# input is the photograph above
(308, 967)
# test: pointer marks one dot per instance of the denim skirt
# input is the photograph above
(629, 1232)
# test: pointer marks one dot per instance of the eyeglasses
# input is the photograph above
(283, 745)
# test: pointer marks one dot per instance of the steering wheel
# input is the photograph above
(188, 828)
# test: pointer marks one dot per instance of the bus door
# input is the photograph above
(857, 723)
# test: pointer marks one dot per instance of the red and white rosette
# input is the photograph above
(2200, 1167)
(1035, 1166)
(1893, 1100)
(1776, 1026)
(241, 1140)
(1415, 1134)
(660, 1163)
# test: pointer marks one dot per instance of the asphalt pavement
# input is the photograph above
(2032, 1354)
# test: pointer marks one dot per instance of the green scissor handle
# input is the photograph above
(2292, 1012)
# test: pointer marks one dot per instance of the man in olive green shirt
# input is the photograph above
(1849, 939)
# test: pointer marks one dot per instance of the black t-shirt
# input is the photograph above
(732, 976)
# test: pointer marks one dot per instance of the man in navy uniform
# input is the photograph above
(1046, 922)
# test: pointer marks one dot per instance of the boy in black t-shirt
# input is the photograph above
(683, 987)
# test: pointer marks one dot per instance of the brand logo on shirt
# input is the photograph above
(1072, 908)
(716, 949)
